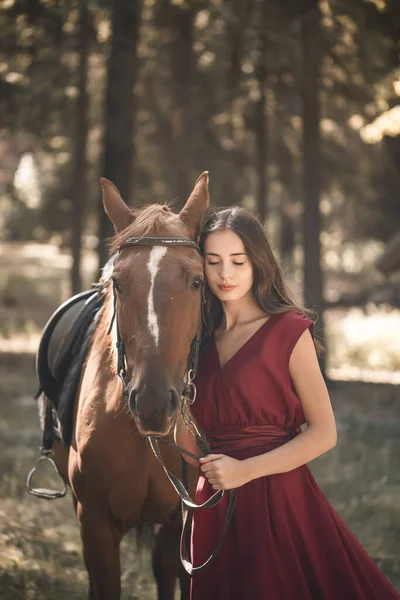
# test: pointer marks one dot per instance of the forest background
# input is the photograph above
(294, 109)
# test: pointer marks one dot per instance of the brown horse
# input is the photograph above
(116, 481)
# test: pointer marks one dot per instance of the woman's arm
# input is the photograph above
(319, 437)
(185, 440)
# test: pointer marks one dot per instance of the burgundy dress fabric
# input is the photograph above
(285, 541)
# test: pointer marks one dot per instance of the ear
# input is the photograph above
(196, 205)
(118, 212)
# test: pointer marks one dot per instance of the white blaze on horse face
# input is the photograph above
(156, 255)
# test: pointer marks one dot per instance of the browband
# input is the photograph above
(159, 241)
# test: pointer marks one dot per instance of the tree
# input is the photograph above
(311, 59)
(261, 131)
(79, 187)
(119, 118)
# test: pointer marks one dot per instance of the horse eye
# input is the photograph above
(197, 283)
(117, 287)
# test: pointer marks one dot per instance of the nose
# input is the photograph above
(225, 272)
(132, 402)
(148, 406)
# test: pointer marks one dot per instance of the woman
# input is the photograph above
(258, 381)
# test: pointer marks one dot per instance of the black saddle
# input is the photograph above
(62, 352)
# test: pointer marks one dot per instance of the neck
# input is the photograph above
(244, 310)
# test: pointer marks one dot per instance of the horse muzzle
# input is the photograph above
(153, 409)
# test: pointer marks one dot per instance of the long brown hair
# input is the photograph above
(269, 287)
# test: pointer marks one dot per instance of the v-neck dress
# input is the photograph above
(285, 541)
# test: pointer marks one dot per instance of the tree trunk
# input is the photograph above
(312, 164)
(119, 117)
(178, 129)
(287, 235)
(261, 129)
(311, 56)
(183, 125)
(287, 175)
(79, 167)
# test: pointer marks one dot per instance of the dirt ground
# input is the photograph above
(40, 552)
(39, 542)
(40, 549)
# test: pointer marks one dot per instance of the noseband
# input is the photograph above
(188, 396)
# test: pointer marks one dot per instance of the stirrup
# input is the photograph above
(44, 492)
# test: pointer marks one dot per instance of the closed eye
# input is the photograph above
(217, 262)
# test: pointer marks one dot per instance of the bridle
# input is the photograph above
(189, 391)
(188, 397)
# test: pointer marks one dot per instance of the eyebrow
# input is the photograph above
(233, 254)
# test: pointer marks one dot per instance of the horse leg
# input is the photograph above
(101, 541)
(164, 564)
(166, 561)
(184, 582)
(91, 595)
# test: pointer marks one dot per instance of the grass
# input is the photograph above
(40, 549)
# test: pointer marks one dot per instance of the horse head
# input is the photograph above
(157, 302)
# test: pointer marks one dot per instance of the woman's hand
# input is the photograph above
(224, 472)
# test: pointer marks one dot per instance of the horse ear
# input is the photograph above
(196, 205)
(118, 212)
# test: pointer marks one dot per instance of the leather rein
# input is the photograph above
(188, 397)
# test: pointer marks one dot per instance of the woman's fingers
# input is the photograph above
(214, 484)
(210, 474)
(210, 458)
(207, 468)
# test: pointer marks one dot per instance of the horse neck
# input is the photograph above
(103, 343)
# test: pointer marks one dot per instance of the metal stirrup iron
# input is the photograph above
(46, 450)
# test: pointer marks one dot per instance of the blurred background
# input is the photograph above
(294, 108)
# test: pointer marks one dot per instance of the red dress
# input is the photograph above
(285, 541)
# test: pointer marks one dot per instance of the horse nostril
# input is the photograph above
(174, 401)
(132, 401)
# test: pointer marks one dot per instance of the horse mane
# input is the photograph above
(103, 324)
(153, 219)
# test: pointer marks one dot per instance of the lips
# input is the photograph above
(226, 288)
